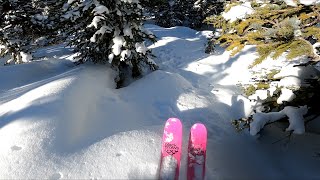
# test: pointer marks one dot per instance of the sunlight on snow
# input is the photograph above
(199, 68)
(41, 92)
(163, 42)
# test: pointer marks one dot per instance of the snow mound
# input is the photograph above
(294, 114)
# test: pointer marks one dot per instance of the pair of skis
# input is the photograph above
(171, 150)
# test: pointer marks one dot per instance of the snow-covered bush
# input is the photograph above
(109, 32)
(299, 107)
(274, 27)
(189, 13)
(278, 29)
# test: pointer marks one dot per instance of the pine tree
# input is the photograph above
(109, 31)
(16, 29)
(189, 13)
(153, 5)
(200, 9)
(275, 28)
(21, 23)
(171, 14)
(50, 20)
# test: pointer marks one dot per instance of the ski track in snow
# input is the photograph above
(59, 121)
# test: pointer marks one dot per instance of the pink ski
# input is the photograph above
(171, 149)
(197, 152)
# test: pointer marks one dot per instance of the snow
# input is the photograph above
(124, 54)
(295, 117)
(110, 57)
(294, 114)
(130, 1)
(286, 95)
(290, 3)
(309, 2)
(64, 121)
(294, 76)
(168, 170)
(261, 119)
(117, 44)
(95, 21)
(127, 31)
(2, 47)
(26, 57)
(315, 45)
(100, 10)
(104, 29)
(198, 167)
(261, 94)
(141, 48)
(40, 17)
(169, 137)
(304, 2)
(70, 1)
(238, 12)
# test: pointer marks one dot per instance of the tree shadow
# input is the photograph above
(177, 31)
(52, 51)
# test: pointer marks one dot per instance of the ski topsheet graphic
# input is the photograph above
(171, 149)
(197, 152)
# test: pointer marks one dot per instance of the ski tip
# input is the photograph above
(173, 119)
(199, 126)
(198, 134)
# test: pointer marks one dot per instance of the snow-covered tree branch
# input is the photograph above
(109, 32)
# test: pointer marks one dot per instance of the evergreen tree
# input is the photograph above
(22, 22)
(50, 20)
(153, 5)
(189, 13)
(169, 14)
(16, 29)
(109, 31)
(201, 9)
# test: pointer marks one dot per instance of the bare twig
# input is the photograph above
(288, 137)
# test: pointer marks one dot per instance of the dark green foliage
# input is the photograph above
(22, 22)
(113, 36)
(153, 5)
(16, 28)
(189, 13)
(310, 96)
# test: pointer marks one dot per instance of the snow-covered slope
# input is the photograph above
(64, 121)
